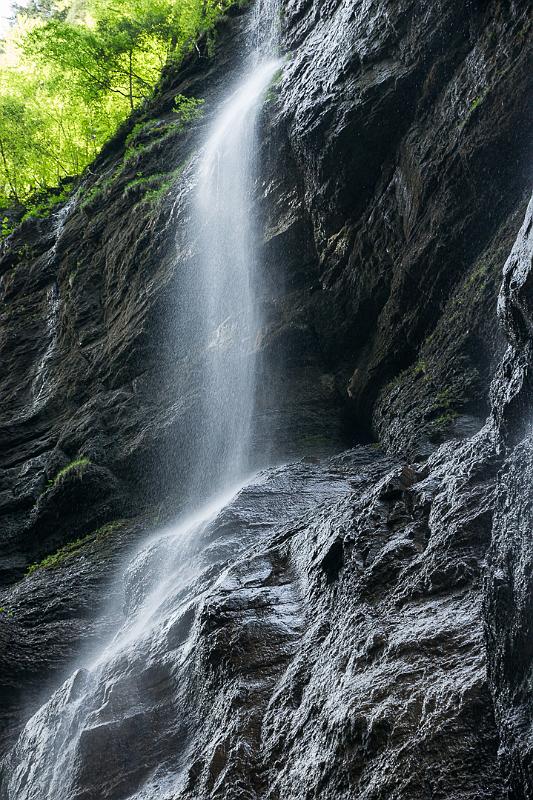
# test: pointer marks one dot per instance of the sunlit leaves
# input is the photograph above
(72, 70)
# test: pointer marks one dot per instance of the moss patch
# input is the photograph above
(73, 548)
(78, 465)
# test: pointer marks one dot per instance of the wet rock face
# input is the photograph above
(326, 637)
(347, 657)
(509, 579)
(355, 627)
(158, 684)
(509, 613)
(396, 114)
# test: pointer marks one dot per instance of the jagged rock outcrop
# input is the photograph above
(360, 627)
(396, 115)
(509, 580)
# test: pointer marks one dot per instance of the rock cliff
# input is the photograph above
(359, 623)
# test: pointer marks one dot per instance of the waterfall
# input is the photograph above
(87, 732)
(226, 280)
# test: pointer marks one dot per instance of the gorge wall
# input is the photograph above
(361, 624)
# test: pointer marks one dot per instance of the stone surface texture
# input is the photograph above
(361, 621)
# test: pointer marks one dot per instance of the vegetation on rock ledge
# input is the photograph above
(77, 465)
(73, 548)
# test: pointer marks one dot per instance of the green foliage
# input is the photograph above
(7, 228)
(77, 465)
(156, 195)
(445, 398)
(73, 548)
(188, 109)
(146, 136)
(42, 205)
(142, 183)
(100, 189)
(70, 73)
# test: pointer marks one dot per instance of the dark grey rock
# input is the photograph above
(358, 625)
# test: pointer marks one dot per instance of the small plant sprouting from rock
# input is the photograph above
(77, 465)
(54, 560)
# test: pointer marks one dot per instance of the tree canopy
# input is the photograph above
(72, 70)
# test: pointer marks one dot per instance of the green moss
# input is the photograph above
(140, 131)
(142, 183)
(133, 153)
(421, 367)
(188, 109)
(477, 102)
(480, 274)
(148, 135)
(72, 549)
(78, 465)
(144, 138)
(272, 92)
(156, 195)
(38, 206)
(100, 189)
(445, 420)
(445, 398)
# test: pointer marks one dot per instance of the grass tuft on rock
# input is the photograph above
(78, 465)
(54, 560)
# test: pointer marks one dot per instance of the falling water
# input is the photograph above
(40, 382)
(91, 719)
(41, 385)
(227, 277)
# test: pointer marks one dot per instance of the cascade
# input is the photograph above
(225, 284)
(93, 716)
